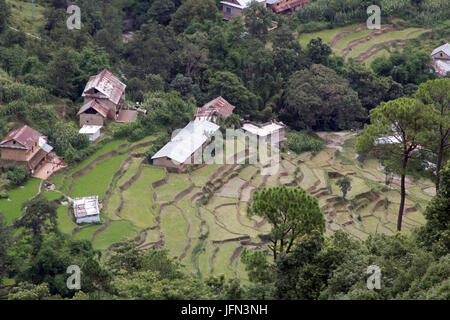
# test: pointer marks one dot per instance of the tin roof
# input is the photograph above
(444, 48)
(262, 129)
(87, 206)
(97, 106)
(240, 4)
(26, 136)
(87, 129)
(107, 84)
(219, 105)
(187, 141)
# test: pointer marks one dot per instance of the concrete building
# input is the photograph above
(179, 153)
(86, 210)
(266, 131)
(93, 132)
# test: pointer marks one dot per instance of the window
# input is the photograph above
(228, 10)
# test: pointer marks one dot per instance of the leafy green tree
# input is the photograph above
(318, 52)
(62, 73)
(153, 50)
(191, 9)
(185, 86)
(29, 291)
(17, 175)
(40, 217)
(291, 212)
(318, 99)
(435, 233)
(259, 18)
(407, 121)
(345, 184)
(229, 86)
(5, 12)
(94, 277)
(437, 94)
(5, 243)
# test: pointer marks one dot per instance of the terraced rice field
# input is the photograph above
(159, 209)
(359, 43)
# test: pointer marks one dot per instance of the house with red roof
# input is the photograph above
(104, 96)
(24, 146)
(213, 109)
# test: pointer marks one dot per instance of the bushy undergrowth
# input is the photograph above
(299, 142)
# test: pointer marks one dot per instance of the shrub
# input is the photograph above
(17, 175)
(299, 142)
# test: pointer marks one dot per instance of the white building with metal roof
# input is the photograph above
(93, 132)
(86, 210)
(178, 153)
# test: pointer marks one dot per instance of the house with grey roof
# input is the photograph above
(180, 152)
(441, 59)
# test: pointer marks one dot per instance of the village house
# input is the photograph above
(180, 152)
(104, 96)
(86, 209)
(26, 147)
(285, 6)
(232, 8)
(441, 59)
(266, 131)
(218, 107)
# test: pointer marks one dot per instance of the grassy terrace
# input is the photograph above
(356, 41)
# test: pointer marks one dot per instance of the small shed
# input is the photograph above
(93, 132)
(86, 210)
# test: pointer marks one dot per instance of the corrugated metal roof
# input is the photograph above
(87, 206)
(87, 129)
(107, 84)
(25, 135)
(219, 105)
(264, 129)
(444, 48)
(242, 4)
(187, 141)
(97, 106)
(44, 145)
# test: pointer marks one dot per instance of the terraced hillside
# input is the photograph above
(360, 43)
(200, 217)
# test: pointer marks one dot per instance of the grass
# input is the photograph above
(13, 209)
(86, 232)
(174, 226)
(96, 181)
(138, 199)
(395, 35)
(175, 184)
(326, 35)
(117, 231)
(51, 195)
(22, 19)
(65, 224)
